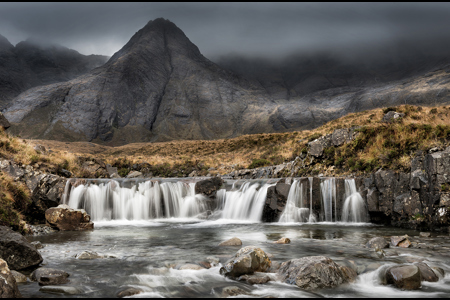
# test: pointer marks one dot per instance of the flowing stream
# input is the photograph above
(146, 230)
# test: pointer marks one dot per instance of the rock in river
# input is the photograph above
(65, 218)
(377, 242)
(247, 260)
(405, 277)
(48, 276)
(232, 242)
(313, 272)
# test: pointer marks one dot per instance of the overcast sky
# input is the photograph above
(264, 29)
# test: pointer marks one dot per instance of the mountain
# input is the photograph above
(32, 63)
(159, 87)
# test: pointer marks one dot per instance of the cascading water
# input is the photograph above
(354, 209)
(294, 210)
(328, 189)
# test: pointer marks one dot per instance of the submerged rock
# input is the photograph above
(86, 255)
(256, 278)
(8, 285)
(17, 251)
(377, 242)
(247, 260)
(65, 218)
(283, 241)
(314, 272)
(407, 277)
(231, 291)
(68, 290)
(127, 292)
(232, 242)
(49, 276)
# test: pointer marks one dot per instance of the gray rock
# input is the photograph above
(135, 174)
(233, 291)
(405, 277)
(17, 251)
(208, 187)
(129, 291)
(391, 116)
(8, 285)
(65, 218)
(377, 242)
(340, 136)
(87, 255)
(246, 261)
(37, 245)
(313, 272)
(256, 278)
(427, 273)
(317, 146)
(49, 276)
(396, 240)
(231, 242)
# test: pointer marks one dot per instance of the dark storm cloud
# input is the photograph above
(264, 29)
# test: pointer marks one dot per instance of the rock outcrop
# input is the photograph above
(64, 218)
(17, 251)
(208, 187)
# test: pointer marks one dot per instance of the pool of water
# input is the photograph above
(146, 255)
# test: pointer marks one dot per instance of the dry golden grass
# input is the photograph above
(225, 154)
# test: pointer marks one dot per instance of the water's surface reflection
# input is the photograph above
(143, 255)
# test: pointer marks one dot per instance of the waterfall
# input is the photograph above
(294, 210)
(354, 209)
(312, 218)
(328, 189)
(246, 203)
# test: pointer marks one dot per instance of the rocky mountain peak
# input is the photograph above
(5, 45)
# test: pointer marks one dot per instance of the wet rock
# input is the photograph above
(377, 242)
(17, 251)
(391, 116)
(372, 267)
(405, 277)
(275, 202)
(65, 218)
(67, 290)
(427, 273)
(425, 234)
(349, 273)
(86, 255)
(232, 242)
(246, 261)
(256, 278)
(19, 277)
(37, 245)
(191, 267)
(396, 240)
(209, 187)
(380, 253)
(49, 276)
(391, 253)
(231, 291)
(8, 285)
(405, 244)
(40, 229)
(129, 291)
(312, 272)
(204, 264)
(438, 271)
(214, 261)
(283, 241)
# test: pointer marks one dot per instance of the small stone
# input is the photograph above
(232, 242)
(425, 234)
(85, 255)
(256, 278)
(395, 240)
(37, 245)
(68, 290)
(231, 291)
(205, 264)
(405, 244)
(283, 241)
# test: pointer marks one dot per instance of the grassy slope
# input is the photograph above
(378, 145)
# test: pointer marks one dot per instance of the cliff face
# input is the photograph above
(160, 87)
(32, 63)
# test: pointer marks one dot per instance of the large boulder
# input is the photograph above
(427, 273)
(8, 285)
(247, 260)
(48, 276)
(65, 218)
(17, 251)
(313, 272)
(209, 187)
(407, 277)
(317, 146)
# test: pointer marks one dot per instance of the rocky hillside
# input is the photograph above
(159, 87)
(33, 63)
